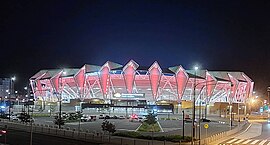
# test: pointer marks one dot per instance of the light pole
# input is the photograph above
(231, 121)
(9, 104)
(193, 109)
(268, 103)
(60, 111)
(183, 124)
(60, 101)
(9, 93)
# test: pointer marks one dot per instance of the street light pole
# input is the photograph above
(60, 109)
(183, 124)
(9, 106)
(231, 121)
(200, 105)
(193, 109)
(11, 90)
(268, 103)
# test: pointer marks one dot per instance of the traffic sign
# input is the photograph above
(206, 125)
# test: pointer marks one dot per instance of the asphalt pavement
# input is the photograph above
(258, 133)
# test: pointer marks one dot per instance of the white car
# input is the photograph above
(122, 117)
(14, 117)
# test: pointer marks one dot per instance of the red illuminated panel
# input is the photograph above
(104, 79)
(239, 94)
(234, 87)
(210, 84)
(181, 80)
(55, 82)
(154, 76)
(80, 79)
(129, 74)
(248, 86)
(39, 87)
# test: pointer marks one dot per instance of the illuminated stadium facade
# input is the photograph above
(130, 86)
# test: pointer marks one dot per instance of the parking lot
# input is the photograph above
(174, 126)
(121, 124)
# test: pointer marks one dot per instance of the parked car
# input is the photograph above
(85, 118)
(205, 120)
(136, 118)
(101, 116)
(14, 117)
(189, 120)
(114, 117)
(93, 117)
(121, 117)
(107, 117)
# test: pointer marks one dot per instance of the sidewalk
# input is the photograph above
(245, 132)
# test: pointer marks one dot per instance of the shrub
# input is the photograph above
(58, 121)
(145, 127)
(151, 119)
(108, 126)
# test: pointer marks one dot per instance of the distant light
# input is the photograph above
(5, 96)
(256, 97)
(3, 107)
(25, 88)
(7, 91)
(117, 95)
(13, 78)
(196, 67)
(16, 92)
(254, 92)
(64, 72)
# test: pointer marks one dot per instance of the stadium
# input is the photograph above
(132, 88)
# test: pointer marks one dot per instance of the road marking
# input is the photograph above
(239, 141)
(246, 141)
(138, 127)
(245, 130)
(262, 142)
(255, 141)
(125, 129)
(160, 127)
(232, 140)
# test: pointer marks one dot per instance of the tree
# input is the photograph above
(58, 121)
(108, 126)
(151, 119)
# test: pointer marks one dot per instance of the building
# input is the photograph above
(133, 88)
(4, 86)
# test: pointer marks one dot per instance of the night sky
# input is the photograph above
(218, 35)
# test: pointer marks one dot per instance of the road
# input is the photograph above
(258, 134)
(17, 137)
